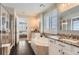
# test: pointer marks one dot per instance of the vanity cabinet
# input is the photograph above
(75, 50)
(66, 49)
(64, 46)
(59, 48)
(66, 52)
(53, 49)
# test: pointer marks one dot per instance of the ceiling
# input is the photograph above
(29, 9)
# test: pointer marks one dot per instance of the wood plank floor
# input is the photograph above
(23, 48)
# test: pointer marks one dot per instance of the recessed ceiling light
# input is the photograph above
(42, 5)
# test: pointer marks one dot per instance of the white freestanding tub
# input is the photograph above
(40, 45)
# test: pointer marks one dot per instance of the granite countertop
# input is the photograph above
(71, 42)
(67, 41)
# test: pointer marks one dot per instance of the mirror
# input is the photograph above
(70, 24)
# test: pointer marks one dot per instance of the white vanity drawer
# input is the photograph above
(53, 50)
(75, 50)
(52, 41)
(64, 46)
(66, 52)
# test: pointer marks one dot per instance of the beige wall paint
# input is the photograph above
(33, 23)
(68, 10)
(65, 6)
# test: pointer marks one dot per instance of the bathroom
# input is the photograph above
(39, 29)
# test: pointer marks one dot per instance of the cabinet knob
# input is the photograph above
(78, 52)
(59, 50)
(63, 53)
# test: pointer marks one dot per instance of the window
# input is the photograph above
(50, 22)
(75, 24)
(22, 25)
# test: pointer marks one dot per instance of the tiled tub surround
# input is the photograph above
(63, 44)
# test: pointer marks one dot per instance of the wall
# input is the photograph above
(33, 23)
(65, 6)
(68, 12)
(52, 13)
